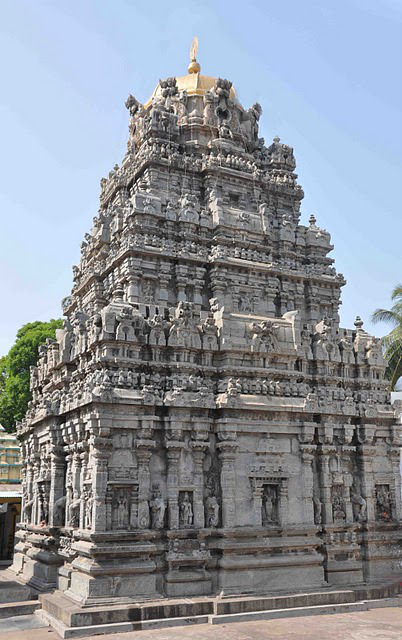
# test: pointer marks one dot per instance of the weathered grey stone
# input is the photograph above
(202, 424)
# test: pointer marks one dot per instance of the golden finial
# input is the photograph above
(194, 67)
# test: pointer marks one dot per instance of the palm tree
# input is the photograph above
(392, 343)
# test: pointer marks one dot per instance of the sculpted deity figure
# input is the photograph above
(209, 109)
(359, 507)
(27, 509)
(269, 505)
(59, 511)
(212, 511)
(121, 510)
(88, 498)
(157, 507)
(383, 503)
(74, 513)
(346, 348)
(186, 511)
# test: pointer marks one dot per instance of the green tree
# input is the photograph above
(14, 370)
(392, 342)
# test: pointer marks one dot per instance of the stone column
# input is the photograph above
(164, 289)
(257, 499)
(307, 479)
(35, 491)
(133, 289)
(227, 455)
(326, 487)
(57, 480)
(173, 449)
(199, 449)
(144, 452)
(77, 489)
(395, 456)
(283, 506)
(101, 449)
(365, 462)
(83, 506)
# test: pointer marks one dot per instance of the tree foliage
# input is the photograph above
(14, 370)
(393, 341)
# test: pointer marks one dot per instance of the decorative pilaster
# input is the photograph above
(101, 447)
(57, 490)
(227, 447)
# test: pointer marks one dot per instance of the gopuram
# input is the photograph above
(202, 425)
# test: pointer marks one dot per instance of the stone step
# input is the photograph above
(72, 614)
(13, 591)
(120, 627)
(289, 613)
(23, 608)
(116, 627)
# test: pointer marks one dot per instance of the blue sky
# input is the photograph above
(328, 75)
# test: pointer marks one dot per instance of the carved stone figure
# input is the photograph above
(157, 507)
(212, 511)
(383, 503)
(186, 510)
(270, 505)
(359, 507)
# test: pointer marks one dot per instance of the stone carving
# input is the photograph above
(202, 393)
(264, 336)
(383, 502)
(186, 509)
(120, 509)
(157, 508)
(338, 505)
(359, 507)
(270, 505)
(212, 511)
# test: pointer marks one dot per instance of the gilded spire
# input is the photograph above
(194, 67)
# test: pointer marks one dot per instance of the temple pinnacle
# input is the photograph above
(194, 66)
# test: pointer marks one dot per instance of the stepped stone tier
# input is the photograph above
(202, 424)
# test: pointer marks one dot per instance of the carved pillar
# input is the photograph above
(57, 482)
(100, 452)
(307, 452)
(173, 456)
(347, 486)
(366, 453)
(199, 449)
(133, 289)
(83, 470)
(227, 454)
(395, 457)
(283, 506)
(144, 452)
(326, 486)
(257, 495)
(365, 466)
(181, 283)
(35, 493)
(69, 484)
(307, 479)
(77, 493)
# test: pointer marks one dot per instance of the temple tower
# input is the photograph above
(202, 424)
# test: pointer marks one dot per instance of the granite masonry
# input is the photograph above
(202, 424)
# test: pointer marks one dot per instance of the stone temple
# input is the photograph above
(202, 425)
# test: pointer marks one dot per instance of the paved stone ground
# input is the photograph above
(377, 624)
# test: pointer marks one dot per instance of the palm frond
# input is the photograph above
(385, 315)
(397, 292)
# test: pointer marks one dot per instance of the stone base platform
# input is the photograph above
(72, 621)
(14, 590)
